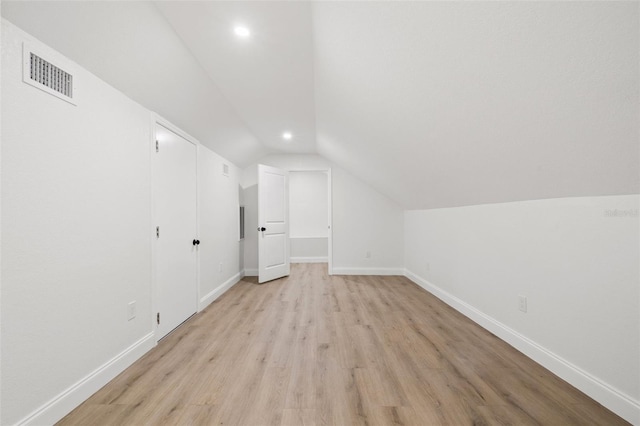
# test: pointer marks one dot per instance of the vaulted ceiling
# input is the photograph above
(435, 104)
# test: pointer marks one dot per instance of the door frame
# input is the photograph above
(330, 212)
(158, 120)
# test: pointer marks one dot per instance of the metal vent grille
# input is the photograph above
(242, 222)
(47, 74)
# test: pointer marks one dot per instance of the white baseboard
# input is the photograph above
(367, 271)
(618, 402)
(250, 272)
(65, 402)
(218, 291)
(345, 271)
(308, 259)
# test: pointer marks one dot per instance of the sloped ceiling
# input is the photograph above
(268, 78)
(448, 104)
(131, 46)
(435, 104)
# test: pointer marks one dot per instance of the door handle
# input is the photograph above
(196, 242)
(262, 229)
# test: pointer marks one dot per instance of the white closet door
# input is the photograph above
(177, 243)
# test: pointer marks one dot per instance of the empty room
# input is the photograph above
(320, 213)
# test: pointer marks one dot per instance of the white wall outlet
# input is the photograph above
(220, 267)
(427, 267)
(522, 303)
(367, 255)
(131, 310)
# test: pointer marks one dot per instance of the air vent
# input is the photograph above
(225, 169)
(242, 222)
(51, 76)
(41, 72)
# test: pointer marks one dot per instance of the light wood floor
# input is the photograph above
(343, 350)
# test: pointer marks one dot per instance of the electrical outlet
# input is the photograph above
(367, 255)
(427, 267)
(131, 310)
(220, 267)
(522, 303)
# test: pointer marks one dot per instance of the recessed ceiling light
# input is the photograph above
(287, 136)
(241, 31)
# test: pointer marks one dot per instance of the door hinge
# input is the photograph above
(158, 318)
(157, 146)
(157, 232)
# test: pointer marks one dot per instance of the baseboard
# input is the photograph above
(65, 402)
(250, 272)
(345, 271)
(218, 291)
(367, 271)
(308, 259)
(618, 402)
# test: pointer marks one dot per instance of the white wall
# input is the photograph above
(76, 232)
(308, 216)
(363, 219)
(309, 250)
(1, 185)
(218, 225)
(77, 238)
(576, 264)
(308, 204)
(250, 243)
(365, 223)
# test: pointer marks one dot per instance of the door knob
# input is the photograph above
(262, 229)
(196, 242)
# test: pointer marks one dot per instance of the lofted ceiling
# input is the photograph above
(268, 77)
(434, 104)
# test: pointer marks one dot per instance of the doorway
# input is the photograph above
(310, 230)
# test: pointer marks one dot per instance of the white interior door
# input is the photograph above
(273, 223)
(175, 213)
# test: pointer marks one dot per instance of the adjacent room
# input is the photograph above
(320, 213)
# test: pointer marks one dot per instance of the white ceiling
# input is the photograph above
(435, 104)
(268, 78)
(131, 46)
(448, 104)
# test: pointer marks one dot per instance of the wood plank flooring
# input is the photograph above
(312, 349)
